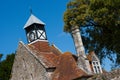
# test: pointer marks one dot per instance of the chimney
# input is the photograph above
(75, 32)
(83, 62)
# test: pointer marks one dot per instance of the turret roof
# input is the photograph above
(33, 19)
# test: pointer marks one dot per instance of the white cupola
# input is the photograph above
(35, 29)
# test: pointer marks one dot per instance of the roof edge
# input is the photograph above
(31, 20)
(39, 60)
(57, 48)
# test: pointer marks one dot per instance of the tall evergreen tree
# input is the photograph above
(6, 67)
(99, 21)
(1, 57)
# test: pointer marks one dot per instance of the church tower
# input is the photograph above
(35, 29)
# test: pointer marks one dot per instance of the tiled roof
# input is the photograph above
(40, 46)
(51, 57)
(55, 50)
(46, 54)
(89, 56)
(92, 56)
(33, 19)
(67, 68)
(48, 59)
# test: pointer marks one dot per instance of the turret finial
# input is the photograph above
(31, 12)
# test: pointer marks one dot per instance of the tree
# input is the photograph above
(75, 14)
(1, 57)
(99, 21)
(6, 66)
(106, 15)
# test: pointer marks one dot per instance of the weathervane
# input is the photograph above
(31, 12)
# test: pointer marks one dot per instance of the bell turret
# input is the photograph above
(35, 29)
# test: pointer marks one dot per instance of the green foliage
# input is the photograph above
(106, 13)
(6, 66)
(1, 57)
(75, 14)
(99, 21)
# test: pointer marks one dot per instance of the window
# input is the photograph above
(96, 67)
(96, 63)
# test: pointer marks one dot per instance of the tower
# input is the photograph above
(35, 29)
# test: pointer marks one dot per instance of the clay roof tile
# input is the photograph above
(67, 68)
(89, 56)
(43, 53)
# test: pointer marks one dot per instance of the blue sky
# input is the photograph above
(15, 13)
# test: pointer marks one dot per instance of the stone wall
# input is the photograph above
(113, 75)
(26, 66)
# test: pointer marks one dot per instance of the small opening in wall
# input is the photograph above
(50, 69)
(31, 76)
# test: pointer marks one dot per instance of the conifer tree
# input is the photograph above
(6, 67)
(1, 57)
